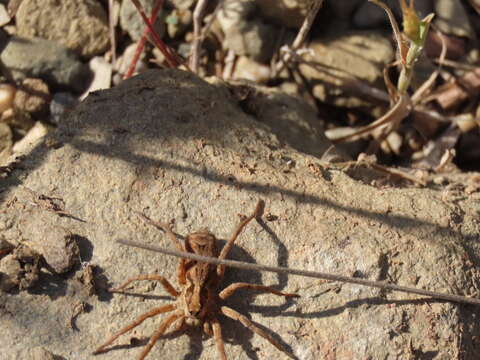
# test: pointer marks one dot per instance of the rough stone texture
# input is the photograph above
(45, 59)
(40, 353)
(345, 58)
(56, 244)
(80, 25)
(20, 269)
(170, 145)
(9, 270)
(32, 97)
(291, 120)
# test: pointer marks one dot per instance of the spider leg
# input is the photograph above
(178, 244)
(230, 289)
(138, 321)
(165, 227)
(159, 332)
(249, 324)
(228, 246)
(165, 283)
(180, 325)
(217, 333)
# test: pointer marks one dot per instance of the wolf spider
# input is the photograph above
(198, 303)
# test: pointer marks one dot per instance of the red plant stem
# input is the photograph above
(169, 57)
(141, 43)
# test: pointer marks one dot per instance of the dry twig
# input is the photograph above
(143, 39)
(198, 14)
(314, 274)
(170, 56)
(286, 56)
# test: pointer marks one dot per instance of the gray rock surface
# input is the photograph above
(56, 244)
(342, 59)
(80, 25)
(171, 145)
(9, 269)
(44, 59)
(246, 35)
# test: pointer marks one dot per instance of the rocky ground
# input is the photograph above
(201, 151)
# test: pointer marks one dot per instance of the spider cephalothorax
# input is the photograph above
(199, 301)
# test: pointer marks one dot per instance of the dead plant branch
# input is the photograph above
(286, 56)
(198, 15)
(314, 274)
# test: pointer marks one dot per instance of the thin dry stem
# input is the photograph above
(198, 15)
(111, 25)
(301, 35)
(394, 24)
(314, 274)
(143, 39)
(166, 51)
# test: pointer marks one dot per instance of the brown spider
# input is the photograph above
(199, 301)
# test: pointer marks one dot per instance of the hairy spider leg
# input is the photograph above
(235, 315)
(230, 289)
(159, 332)
(134, 324)
(165, 283)
(228, 246)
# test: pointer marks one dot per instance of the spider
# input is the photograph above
(199, 301)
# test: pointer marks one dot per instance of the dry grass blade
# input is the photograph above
(111, 26)
(141, 43)
(198, 14)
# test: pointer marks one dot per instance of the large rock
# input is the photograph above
(80, 25)
(244, 33)
(336, 63)
(170, 145)
(44, 59)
